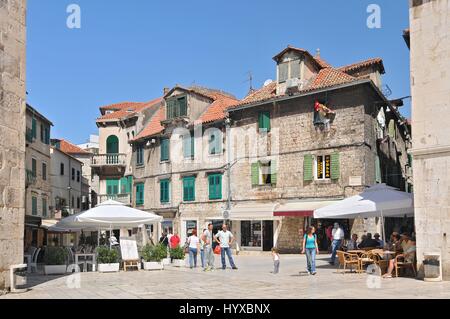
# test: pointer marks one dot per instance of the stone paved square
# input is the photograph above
(252, 280)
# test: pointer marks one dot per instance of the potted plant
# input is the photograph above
(178, 255)
(55, 260)
(153, 256)
(108, 259)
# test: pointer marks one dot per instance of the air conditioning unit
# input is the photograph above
(293, 86)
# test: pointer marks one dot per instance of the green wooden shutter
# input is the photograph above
(255, 174)
(33, 127)
(164, 191)
(335, 165)
(34, 206)
(391, 128)
(189, 189)
(33, 167)
(42, 133)
(44, 207)
(264, 121)
(165, 149)
(140, 194)
(215, 186)
(188, 146)
(112, 186)
(273, 172)
(308, 167)
(218, 142)
(377, 169)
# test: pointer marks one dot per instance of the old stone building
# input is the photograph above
(285, 157)
(118, 125)
(38, 188)
(12, 132)
(430, 89)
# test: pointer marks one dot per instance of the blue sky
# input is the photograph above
(129, 50)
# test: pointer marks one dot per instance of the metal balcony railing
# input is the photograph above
(109, 160)
(121, 198)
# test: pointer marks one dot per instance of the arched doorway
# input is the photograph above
(112, 149)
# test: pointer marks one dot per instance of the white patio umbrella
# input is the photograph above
(109, 214)
(379, 200)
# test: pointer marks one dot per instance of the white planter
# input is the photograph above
(166, 261)
(108, 267)
(55, 269)
(153, 265)
(179, 263)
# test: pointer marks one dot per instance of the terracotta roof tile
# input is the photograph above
(69, 148)
(362, 64)
(119, 106)
(128, 110)
(216, 111)
(154, 127)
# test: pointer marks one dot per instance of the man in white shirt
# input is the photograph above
(338, 236)
(225, 238)
(207, 238)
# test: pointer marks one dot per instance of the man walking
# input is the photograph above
(225, 238)
(207, 238)
(337, 236)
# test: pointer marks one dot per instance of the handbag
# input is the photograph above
(217, 250)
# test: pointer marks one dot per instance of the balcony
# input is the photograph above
(112, 165)
(121, 198)
(30, 178)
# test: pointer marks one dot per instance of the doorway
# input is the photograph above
(267, 235)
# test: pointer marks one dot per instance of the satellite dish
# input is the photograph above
(267, 82)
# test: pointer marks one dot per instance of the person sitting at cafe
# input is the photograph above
(368, 242)
(378, 240)
(409, 254)
(352, 244)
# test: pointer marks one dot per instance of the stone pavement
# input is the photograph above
(252, 280)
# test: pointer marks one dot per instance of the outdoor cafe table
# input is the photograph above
(94, 262)
(357, 251)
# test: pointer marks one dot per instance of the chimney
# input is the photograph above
(166, 90)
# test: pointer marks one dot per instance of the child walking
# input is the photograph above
(276, 260)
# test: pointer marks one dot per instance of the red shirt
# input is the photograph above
(174, 241)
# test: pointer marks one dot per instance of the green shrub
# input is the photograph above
(55, 256)
(177, 252)
(107, 256)
(154, 253)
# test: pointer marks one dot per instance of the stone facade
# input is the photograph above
(430, 51)
(12, 134)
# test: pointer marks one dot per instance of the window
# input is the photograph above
(188, 146)
(61, 169)
(47, 135)
(139, 194)
(33, 167)
(251, 234)
(78, 176)
(33, 128)
(189, 189)
(78, 202)
(73, 174)
(264, 173)
(34, 210)
(323, 167)
(326, 167)
(112, 186)
(165, 146)
(140, 155)
(44, 171)
(264, 121)
(289, 70)
(176, 107)
(73, 201)
(112, 145)
(215, 142)
(215, 186)
(164, 190)
(44, 207)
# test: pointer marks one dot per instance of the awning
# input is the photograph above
(33, 221)
(253, 211)
(300, 208)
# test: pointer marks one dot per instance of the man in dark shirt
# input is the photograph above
(369, 242)
(164, 240)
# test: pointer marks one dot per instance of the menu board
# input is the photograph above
(128, 248)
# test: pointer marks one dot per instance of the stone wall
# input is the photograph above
(12, 133)
(430, 78)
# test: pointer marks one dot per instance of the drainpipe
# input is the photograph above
(228, 150)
